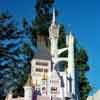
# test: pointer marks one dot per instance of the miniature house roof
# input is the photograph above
(29, 81)
(42, 51)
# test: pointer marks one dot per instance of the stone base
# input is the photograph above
(46, 98)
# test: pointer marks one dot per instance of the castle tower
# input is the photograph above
(60, 84)
(71, 64)
(54, 35)
(68, 79)
(28, 89)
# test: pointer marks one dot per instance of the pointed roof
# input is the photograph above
(54, 27)
(29, 81)
(53, 17)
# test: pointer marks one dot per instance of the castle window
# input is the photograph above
(45, 70)
(39, 70)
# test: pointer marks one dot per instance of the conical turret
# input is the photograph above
(54, 28)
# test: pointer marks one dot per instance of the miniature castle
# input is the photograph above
(47, 82)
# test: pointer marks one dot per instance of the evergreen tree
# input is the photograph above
(40, 24)
(62, 40)
(43, 16)
(81, 61)
(16, 51)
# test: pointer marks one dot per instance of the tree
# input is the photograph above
(40, 24)
(62, 40)
(42, 20)
(81, 61)
(16, 51)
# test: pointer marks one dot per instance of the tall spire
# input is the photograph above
(53, 16)
(54, 28)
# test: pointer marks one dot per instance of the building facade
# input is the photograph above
(46, 81)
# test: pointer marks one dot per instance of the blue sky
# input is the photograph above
(83, 15)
